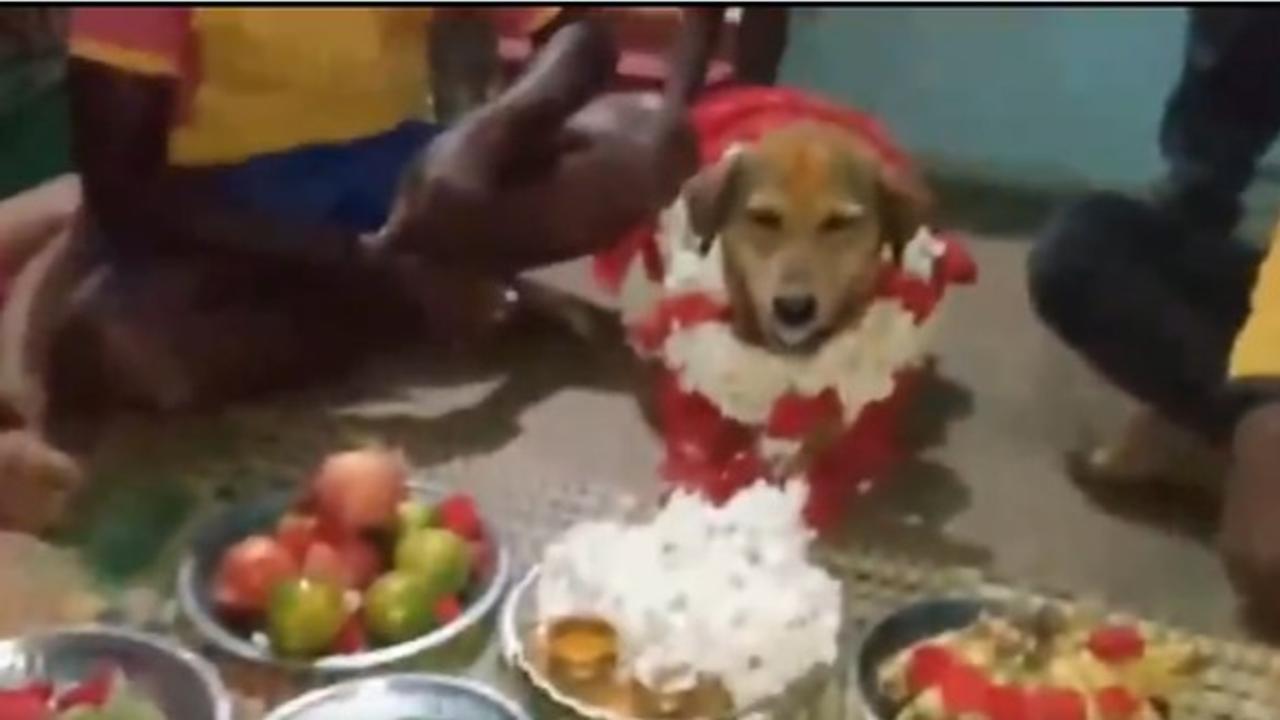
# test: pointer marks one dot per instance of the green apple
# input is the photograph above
(415, 515)
(438, 556)
(304, 617)
(397, 607)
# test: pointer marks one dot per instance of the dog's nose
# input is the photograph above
(795, 310)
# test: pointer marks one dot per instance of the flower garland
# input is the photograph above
(732, 412)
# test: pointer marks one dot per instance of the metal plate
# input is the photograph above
(198, 567)
(803, 698)
(401, 697)
(182, 684)
(1242, 681)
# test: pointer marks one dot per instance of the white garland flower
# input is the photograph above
(744, 381)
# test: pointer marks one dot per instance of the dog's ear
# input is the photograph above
(709, 197)
(904, 204)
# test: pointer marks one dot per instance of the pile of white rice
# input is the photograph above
(724, 592)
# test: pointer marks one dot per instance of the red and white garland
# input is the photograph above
(732, 412)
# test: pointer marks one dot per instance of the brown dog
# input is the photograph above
(806, 216)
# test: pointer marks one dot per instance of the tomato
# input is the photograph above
(1117, 644)
(398, 607)
(361, 489)
(1007, 702)
(306, 616)
(248, 572)
(964, 689)
(928, 665)
(1057, 704)
(94, 691)
(23, 704)
(1117, 703)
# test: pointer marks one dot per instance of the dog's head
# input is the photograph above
(806, 216)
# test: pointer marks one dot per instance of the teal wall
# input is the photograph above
(1046, 96)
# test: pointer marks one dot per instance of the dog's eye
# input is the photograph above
(836, 223)
(765, 217)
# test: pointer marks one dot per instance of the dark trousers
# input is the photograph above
(1153, 294)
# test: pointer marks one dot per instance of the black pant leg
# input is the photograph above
(1100, 278)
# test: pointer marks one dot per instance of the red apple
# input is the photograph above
(362, 560)
(361, 489)
(296, 532)
(249, 571)
(346, 562)
(323, 563)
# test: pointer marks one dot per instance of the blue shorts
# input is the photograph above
(351, 185)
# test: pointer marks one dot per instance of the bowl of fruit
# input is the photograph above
(360, 570)
(96, 673)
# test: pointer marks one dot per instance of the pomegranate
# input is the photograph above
(361, 489)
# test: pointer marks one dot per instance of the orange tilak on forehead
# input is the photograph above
(809, 171)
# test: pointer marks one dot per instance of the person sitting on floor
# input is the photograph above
(239, 170)
(1165, 303)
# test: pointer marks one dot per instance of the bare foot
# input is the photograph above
(1152, 449)
(36, 481)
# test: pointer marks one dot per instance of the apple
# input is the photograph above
(296, 532)
(361, 489)
(306, 617)
(323, 563)
(398, 607)
(347, 562)
(439, 557)
(249, 571)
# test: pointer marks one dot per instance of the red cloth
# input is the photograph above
(717, 456)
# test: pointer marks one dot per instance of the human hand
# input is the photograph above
(549, 170)
(1250, 541)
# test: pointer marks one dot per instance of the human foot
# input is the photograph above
(1151, 449)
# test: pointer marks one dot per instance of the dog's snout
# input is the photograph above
(795, 310)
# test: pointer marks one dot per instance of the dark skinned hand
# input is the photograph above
(1250, 540)
(549, 171)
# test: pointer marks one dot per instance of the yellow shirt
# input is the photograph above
(1256, 354)
(262, 80)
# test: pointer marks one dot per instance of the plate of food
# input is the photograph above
(957, 659)
(401, 697)
(97, 673)
(702, 612)
(361, 569)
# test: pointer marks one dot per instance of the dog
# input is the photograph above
(807, 216)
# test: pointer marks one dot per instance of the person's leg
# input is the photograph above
(1222, 116)
(1102, 277)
